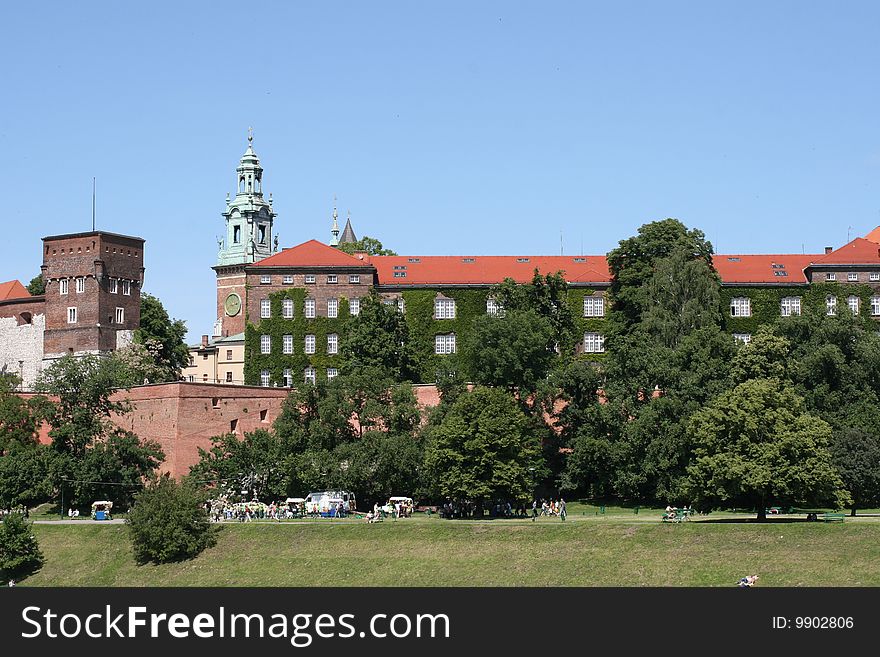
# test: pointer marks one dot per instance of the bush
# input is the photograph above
(168, 522)
(20, 554)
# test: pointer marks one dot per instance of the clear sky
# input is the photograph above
(444, 127)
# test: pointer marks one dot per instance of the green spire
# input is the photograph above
(334, 241)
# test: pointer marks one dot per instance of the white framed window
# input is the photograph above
(332, 278)
(71, 315)
(287, 308)
(229, 377)
(120, 315)
(594, 306)
(790, 306)
(288, 378)
(310, 344)
(444, 308)
(113, 286)
(333, 343)
(287, 344)
(875, 306)
(830, 276)
(310, 308)
(310, 278)
(740, 307)
(594, 343)
(745, 338)
(493, 307)
(265, 308)
(310, 375)
(265, 344)
(852, 277)
(332, 307)
(830, 305)
(287, 280)
(874, 276)
(354, 307)
(265, 279)
(80, 285)
(62, 286)
(264, 378)
(126, 287)
(444, 344)
(354, 279)
(854, 303)
(332, 373)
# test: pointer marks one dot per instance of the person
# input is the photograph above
(562, 509)
(534, 510)
(76, 513)
(748, 581)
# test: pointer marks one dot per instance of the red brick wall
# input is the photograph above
(231, 279)
(320, 290)
(16, 307)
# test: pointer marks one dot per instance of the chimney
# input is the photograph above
(204, 341)
(828, 249)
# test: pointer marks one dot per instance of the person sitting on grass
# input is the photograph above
(748, 581)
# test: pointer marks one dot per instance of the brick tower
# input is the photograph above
(93, 292)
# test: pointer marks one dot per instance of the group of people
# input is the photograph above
(549, 508)
(72, 513)
(673, 512)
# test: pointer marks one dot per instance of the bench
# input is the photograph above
(833, 517)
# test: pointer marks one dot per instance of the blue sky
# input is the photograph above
(453, 127)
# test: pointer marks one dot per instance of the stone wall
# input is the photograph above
(22, 342)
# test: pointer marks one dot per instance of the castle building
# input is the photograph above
(91, 303)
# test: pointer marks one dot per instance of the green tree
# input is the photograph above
(37, 286)
(27, 476)
(547, 297)
(115, 468)
(482, 451)
(20, 553)
(163, 336)
(512, 351)
(168, 522)
(756, 445)
(20, 419)
(766, 356)
(369, 245)
(377, 339)
(856, 455)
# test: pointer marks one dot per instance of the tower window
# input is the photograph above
(80, 285)
(236, 234)
(113, 285)
(262, 234)
(71, 315)
(62, 286)
(332, 307)
(120, 315)
(126, 287)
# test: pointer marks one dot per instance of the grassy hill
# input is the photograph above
(613, 550)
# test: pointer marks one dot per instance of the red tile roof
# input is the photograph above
(860, 251)
(13, 290)
(759, 268)
(311, 254)
(485, 270)
(874, 235)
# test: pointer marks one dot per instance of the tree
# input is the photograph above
(482, 450)
(158, 332)
(856, 455)
(512, 351)
(20, 418)
(115, 469)
(37, 286)
(369, 245)
(766, 356)
(547, 297)
(169, 523)
(27, 476)
(756, 445)
(378, 339)
(633, 262)
(20, 553)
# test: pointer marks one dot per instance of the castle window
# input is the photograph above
(310, 375)
(71, 315)
(287, 344)
(594, 306)
(265, 344)
(852, 277)
(310, 308)
(310, 278)
(229, 354)
(62, 286)
(113, 285)
(875, 306)
(740, 307)
(830, 276)
(265, 279)
(874, 276)
(264, 381)
(444, 308)
(332, 373)
(288, 378)
(288, 280)
(126, 287)
(262, 229)
(310, 344)
(594, 343)
(492, 307)
(444, 344)
(332, 278)
(236, 234)
(265, 308)
(80, 285)
(830, 305)
(120, 315)
(229, 377)
(354, 307)
(332, 307)
(332, 344)
(287, 308)
(853, 302)
(354, 279)
(790, 306)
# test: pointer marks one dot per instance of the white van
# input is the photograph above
(321, 502)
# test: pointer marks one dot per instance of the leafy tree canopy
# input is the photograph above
(37, 286)
(378, 339)
(20, 553)
(370, 245)
(547, 297)
(856, 455)
(163, 337)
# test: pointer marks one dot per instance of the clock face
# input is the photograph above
(232, 304)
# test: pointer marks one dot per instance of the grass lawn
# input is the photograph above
(618, 548)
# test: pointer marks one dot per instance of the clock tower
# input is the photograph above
(248, 238)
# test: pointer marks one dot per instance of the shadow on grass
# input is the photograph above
(768, 521)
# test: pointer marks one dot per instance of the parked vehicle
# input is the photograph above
(320, 502)
(101, 510)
